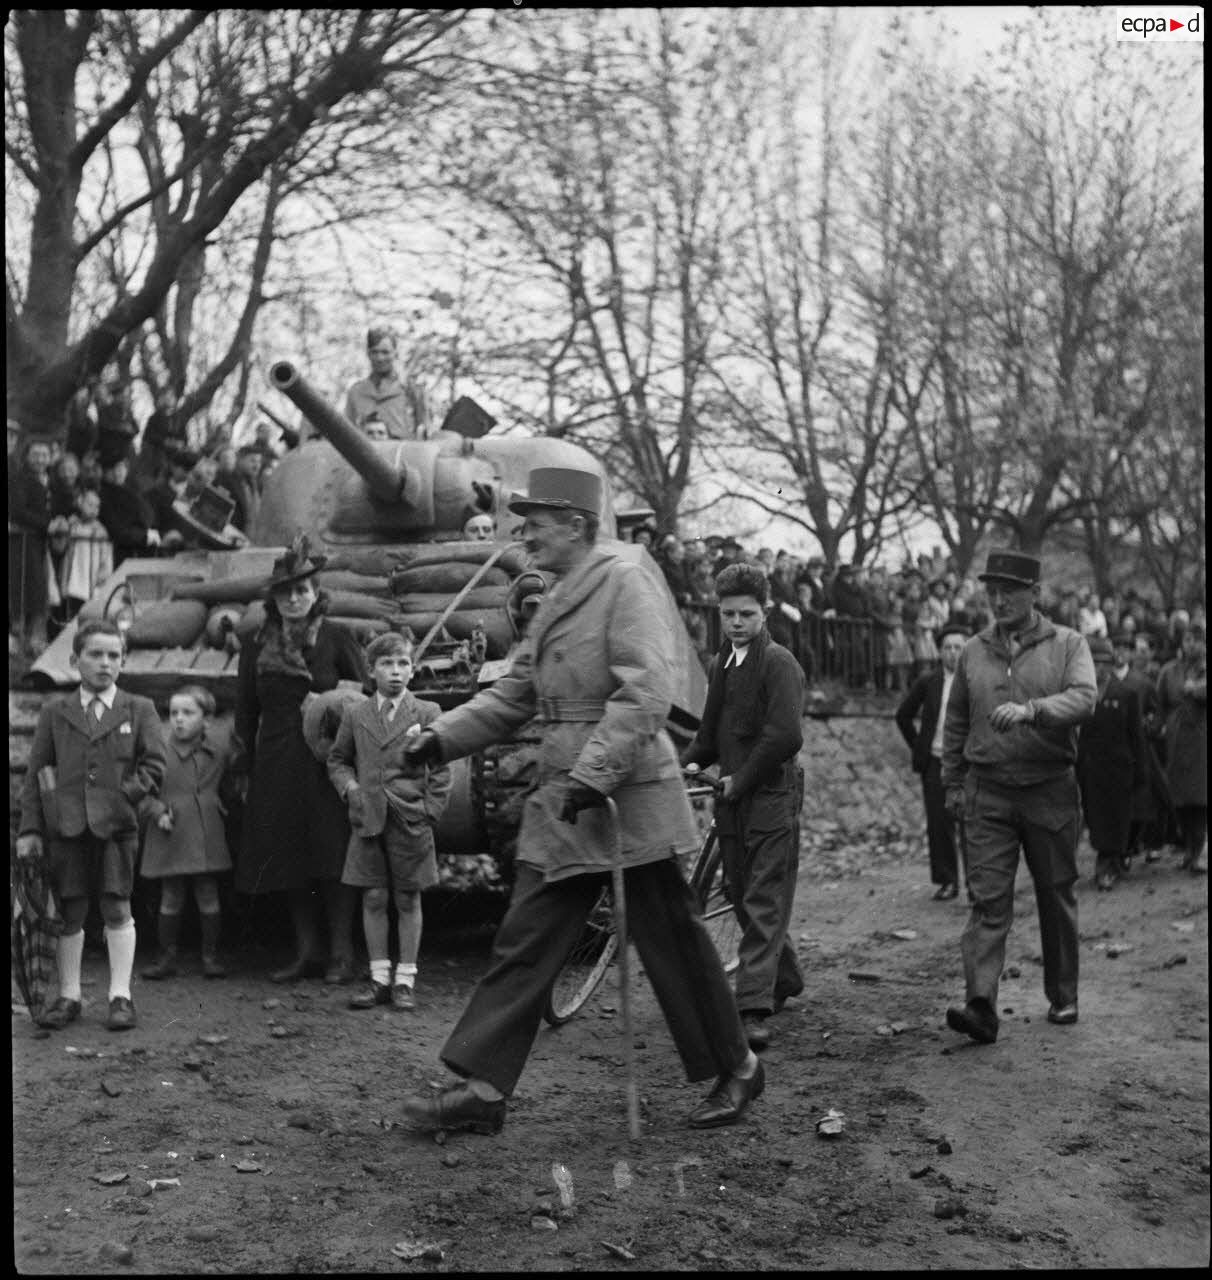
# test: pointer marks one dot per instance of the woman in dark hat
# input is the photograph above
(295, 826)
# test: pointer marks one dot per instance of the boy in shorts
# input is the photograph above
(394, 807)
(97, 754)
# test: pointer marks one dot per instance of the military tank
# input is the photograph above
(388, 515)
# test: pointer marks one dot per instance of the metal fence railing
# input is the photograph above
(50, 576)
(838, 648)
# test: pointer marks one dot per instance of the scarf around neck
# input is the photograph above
(283, 646)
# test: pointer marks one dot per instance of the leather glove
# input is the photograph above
(29, 847)
(579, 797)
(424, 748)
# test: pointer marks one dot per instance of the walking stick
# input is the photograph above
(620, 932)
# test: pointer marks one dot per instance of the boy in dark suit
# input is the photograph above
(928, 694)
(394, 807)
(752, 727)
(96, 754)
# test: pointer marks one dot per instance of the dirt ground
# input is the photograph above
(268, 1115)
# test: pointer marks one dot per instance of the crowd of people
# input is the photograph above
(900, 611)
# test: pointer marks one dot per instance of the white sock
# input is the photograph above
(406, 974)
(120, 943)
(70, 954)
(380, 972)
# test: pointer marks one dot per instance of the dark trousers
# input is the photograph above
(940, 827)
(1193, 828)
(760, 846)
(492, 1039)
(1044, 821)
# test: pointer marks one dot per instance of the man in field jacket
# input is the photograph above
(596, 672)
(1023, 686)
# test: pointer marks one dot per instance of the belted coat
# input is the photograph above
(596, 672)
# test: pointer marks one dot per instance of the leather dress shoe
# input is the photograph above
(945, 892)
(1064, 1015)
(59, 1014)
(340, 971)
(726, 1103)
(401, 997)
(121, 1014)
(756, 1030)
(975, 1020)
(455, 1108)
(377, 993)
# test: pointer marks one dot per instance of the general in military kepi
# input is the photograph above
(1011, 566)
(562, 488)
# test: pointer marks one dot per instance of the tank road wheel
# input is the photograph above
(711, 893)
(586, 965)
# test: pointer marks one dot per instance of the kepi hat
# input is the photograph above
(1011, 566)
(295, 564)
(560, 488)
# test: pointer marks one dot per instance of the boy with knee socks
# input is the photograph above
(394, 806)
(102, 748)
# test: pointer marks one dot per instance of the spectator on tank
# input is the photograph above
(374, 428)
(243, 486)
(1091, 621)
(268, 437)
(478, 526)
(125, 514)
(169, 489)
(1182, 690)
(205, 474)
(29, 563)
(400, 404)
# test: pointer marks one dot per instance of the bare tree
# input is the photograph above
(132, 138)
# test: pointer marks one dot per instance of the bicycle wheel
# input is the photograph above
(710, 890)
(586, 965)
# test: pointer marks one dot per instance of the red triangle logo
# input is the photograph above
(1176, 26)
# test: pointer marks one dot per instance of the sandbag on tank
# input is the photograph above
(384, 560)
(497, 628)
(224, 591)
(167, 624)
(448, 577)
(350, 604)
(346, 580)
(436, 601)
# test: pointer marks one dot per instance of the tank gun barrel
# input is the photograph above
(385, 480)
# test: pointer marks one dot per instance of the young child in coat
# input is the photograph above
(88, 558)
(97, 754)
(393, 809)
(185, 842)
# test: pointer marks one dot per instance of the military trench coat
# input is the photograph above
(596, 671)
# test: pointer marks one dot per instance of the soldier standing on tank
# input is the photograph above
(595, 670)
(401, 405)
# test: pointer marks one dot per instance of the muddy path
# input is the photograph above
(267, 1117)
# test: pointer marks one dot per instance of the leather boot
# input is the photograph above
(211, 968)
(168, 931)
(306, 962)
